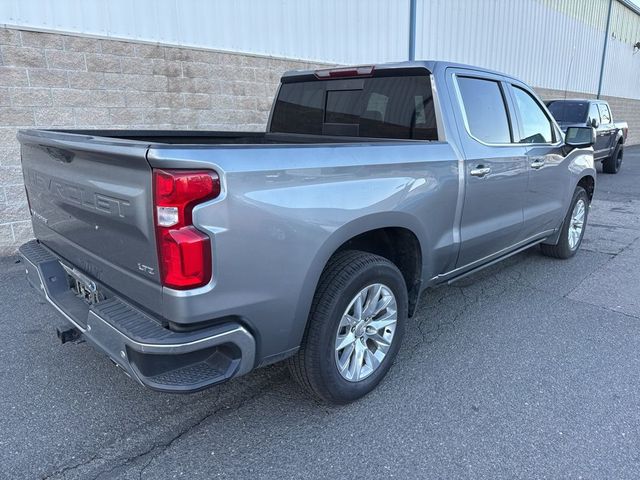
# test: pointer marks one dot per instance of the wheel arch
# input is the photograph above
(588, 182)
(371, 233)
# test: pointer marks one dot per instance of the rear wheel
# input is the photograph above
(614, 162)
(355, 327)
(572, 229)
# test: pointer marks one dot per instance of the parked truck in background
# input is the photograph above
(190, 258)
(610, 135)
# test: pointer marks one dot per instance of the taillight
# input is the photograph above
(184, 252)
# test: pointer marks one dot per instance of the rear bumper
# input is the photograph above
(156, 357)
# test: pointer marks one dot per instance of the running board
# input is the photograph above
(494, 261)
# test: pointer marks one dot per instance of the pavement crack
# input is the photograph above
(604, 307)
(612, 257)
(120, 454)
(159, 448)
(69, 468)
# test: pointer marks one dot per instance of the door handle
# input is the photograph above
(480, 171)
(537, 163)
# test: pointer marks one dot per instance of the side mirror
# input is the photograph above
(580, 137)
(594, 123)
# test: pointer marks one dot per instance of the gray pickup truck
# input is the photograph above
(610, 135)
(193, 257)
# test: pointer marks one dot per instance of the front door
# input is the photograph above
(494, 169)
(543, 207)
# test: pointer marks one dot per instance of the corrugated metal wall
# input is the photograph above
(622, 65)
(555, 44)
(546, 47)
(335, 31)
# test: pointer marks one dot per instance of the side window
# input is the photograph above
(485, 109)
(605, 114)
(536, 127)
(593, 113)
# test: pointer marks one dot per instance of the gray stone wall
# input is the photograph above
(51, 80)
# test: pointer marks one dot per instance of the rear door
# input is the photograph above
(543, 207)
(594, 114)
(494, 167)
(91, 203)
(606, 131)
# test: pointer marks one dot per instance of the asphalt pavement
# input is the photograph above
(529, 369)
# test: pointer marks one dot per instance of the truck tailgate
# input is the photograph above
(91, 203)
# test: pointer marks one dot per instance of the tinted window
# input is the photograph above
(569, 112)
(536, 127)
(485, 110)
(605, 115)
(299, 109)
(379, 107)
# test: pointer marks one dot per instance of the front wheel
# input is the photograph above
(572, 229)
(355, 327)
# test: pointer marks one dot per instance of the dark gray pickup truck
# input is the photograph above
(610, 135)
(190, 258)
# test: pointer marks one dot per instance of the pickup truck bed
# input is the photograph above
(193, 257)
(207, 137)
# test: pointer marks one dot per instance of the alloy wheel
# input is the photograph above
(365, 332)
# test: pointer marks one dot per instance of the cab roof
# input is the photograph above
(390, 68)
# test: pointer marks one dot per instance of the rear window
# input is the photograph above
(380, 107)
(569, 112)
(485, 109)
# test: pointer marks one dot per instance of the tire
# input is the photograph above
(567, 245)
(614, 162)
(315, 366)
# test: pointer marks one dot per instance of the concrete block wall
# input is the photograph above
(51, 80)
